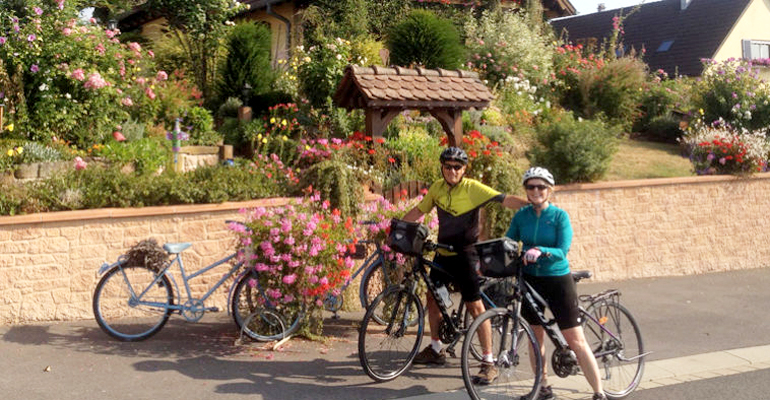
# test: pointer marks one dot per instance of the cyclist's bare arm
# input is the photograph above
(514, 202)
(413, 215)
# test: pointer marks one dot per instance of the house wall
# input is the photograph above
(628, 229)
(753, 25)
(281, 39)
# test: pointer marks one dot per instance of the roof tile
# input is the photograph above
(420, 85)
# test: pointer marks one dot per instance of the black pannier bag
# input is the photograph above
(499, 257)
(407, 237)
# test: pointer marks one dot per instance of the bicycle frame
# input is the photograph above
(180, 306)
(418, 269)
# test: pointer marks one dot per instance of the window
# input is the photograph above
(665, 46)
(754, 49)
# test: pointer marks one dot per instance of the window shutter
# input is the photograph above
(746, 49)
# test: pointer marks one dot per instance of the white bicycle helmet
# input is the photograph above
(538, 172)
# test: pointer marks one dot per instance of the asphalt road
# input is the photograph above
(679, 316)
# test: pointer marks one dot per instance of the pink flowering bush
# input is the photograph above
(72, 79)
(300, 251)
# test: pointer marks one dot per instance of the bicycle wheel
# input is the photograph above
(130, 304)
(386, 351)
(617, 351)
(476, 350)
(258, 318)
(518, 363)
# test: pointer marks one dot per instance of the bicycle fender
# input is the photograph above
(107, 266)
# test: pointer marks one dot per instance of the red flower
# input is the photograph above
(391, 160)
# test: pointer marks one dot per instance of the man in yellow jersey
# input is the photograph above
(458, 201)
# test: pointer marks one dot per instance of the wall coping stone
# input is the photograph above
(656, 182)
(114, 213)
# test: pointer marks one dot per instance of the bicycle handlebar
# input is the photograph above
(430, 246)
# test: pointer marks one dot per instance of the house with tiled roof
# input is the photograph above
(284, 16)
(675, 35)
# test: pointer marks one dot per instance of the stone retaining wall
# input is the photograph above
(622, 230)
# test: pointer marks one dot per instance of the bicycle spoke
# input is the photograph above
(512, 349)
(387, 351)
(618, 347)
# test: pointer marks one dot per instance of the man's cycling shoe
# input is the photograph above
(429, 356)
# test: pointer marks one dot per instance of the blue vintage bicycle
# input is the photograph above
(134, 300)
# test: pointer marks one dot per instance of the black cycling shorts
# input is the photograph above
(561, 295)
(464, 277)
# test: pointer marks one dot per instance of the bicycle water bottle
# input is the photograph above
(443, 296)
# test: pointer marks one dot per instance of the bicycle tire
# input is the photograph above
(619, 377)
(519, 363)
(120, 316)
(259, 319)
(372, 284)
(467, 321)
(386, 351)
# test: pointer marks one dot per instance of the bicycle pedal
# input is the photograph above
(335, 316)
(213, 309)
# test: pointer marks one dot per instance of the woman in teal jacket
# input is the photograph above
(546, 234)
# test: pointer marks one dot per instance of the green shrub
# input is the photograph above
(424, 39)
(229, 109)
(337, 183)
(574, 150)
(502, 44)
(36, 152)
(247, 62)
(665, 129)
(200, 124)
(320, 69)
(614, 90)
(660, 98)
(99, 187)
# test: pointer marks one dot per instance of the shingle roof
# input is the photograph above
(399, 87)
(696, 32)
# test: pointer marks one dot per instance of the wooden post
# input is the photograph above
(244, 113)
(377, 120)
(452, 122)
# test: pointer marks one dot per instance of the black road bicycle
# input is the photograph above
(610, 329)
(393, 326)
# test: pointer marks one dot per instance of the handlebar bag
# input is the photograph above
(499, 257)
(407, 237)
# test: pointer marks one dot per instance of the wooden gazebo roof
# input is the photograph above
(385, 92)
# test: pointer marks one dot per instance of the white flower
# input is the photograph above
(67, 96)
(43, 87)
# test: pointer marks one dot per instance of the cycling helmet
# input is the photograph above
(454, 154)
(538, 172)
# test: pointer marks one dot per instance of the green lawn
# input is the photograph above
(642, 160)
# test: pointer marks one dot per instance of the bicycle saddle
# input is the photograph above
(176, 248)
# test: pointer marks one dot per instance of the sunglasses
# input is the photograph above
(453, 166)
(538, 187)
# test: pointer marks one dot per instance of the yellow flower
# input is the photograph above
(700, 110)
(10, 153)
(283, 122)
(9, 127)
(264, 140)
(284, 138)
(19, 150)
(307, 147)
(259, 136)
(272, 120)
